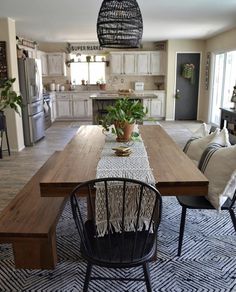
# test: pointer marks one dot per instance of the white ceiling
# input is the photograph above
(75, 20)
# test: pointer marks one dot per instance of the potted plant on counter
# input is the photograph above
(123, 115)
(102, 84)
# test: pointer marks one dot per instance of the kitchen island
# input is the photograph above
(101, 101)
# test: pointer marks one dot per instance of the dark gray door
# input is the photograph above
(187, 89)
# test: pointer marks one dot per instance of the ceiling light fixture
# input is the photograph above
(119, 24)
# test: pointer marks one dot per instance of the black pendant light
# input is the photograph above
(119, 24)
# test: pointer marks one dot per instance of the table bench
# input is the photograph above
(29, 224)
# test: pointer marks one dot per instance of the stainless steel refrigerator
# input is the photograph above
(30, 78)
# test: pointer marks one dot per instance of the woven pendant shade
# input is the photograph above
(119, 24)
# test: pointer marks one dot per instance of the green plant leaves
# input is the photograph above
(8, 97)
(125, 110)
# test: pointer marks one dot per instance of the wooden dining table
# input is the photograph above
(174, 173)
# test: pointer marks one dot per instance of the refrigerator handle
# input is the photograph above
(38, 85)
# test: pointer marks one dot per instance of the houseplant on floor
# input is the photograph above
(8, 98)
(123, 115)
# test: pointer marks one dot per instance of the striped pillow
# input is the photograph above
(195, 147)
(218, 164)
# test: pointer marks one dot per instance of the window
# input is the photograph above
(91, 72)
(224, 80)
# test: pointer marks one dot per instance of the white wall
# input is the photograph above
(14, 121)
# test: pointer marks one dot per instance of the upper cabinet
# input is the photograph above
(44, 62)
(158, 63)
(129, 67)
(56, 64)
(143, 63)
(116, 63)
(53, 64)
(138, 63)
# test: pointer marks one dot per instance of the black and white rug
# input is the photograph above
(208, 261)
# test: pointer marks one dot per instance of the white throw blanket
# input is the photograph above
(136, 166)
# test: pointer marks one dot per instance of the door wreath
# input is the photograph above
(188, 72)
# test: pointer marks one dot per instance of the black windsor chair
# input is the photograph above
(195, 202)
(123, 249)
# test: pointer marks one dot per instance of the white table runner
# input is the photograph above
(135, 166)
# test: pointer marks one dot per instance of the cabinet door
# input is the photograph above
(129, 64)
(116, 63)
(79, 108)
(143, 61)
(53, 110)
(64, 108)
(155, 108)
(146, 104)
(158, 63)
(44, 63)
(89, 108)
(56, 64)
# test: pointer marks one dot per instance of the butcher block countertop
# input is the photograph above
(117, 96)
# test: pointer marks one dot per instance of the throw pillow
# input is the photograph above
(195, 147)
(222, 138)
(201, 132)
(219, 165)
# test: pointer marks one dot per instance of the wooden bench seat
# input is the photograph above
(29, 224)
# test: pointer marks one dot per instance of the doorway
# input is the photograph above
(223, 84)
(187, 86)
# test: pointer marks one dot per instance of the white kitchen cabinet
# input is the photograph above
(155, 106)
(64, 106)
(116, 63)
(129, 63)
(79, 108)
(44, 62)
(123, 63)
(73, 106)
(139, 63)
(53, 106)
(56, 64)
(158, 63)
(82, 106)
(143, 63)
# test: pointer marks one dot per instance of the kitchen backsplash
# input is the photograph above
(115, 82)
(125, 82)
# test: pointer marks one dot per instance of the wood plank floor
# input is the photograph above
(17, 169)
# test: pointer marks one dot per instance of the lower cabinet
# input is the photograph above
(82, 106)
(53, 110)
(77, 106)
(80, 109)
(53, 106)
(64, 108)
(155, 106)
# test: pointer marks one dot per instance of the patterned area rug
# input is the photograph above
(207, 263)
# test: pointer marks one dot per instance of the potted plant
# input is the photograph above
(8, 98)
(123, 115)
(102, 84)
